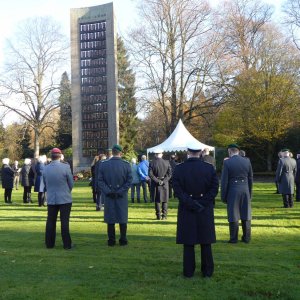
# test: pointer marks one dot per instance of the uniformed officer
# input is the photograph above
(285, 176)
(236, 192)
(160, 174)
(113, 180)
(297, 178)
(195, 184)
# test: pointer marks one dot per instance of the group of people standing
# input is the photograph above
(29, 175)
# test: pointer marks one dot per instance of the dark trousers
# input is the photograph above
(298, 192)
(288, 201)
(95, 194)
(207, 262)
(164, 209)
(234, 230)
(144, 185)
(137, 187)
(7, 195)
(111, 232)
(64, 210)
(41, 198)
(27, 194)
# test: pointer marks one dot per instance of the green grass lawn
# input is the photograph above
(150, 267)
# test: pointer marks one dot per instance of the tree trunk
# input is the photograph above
(36, 143)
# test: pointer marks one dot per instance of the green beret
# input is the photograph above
(233, 146)
(285, 150)
(117, 147)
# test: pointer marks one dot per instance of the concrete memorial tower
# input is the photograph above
(95, 118)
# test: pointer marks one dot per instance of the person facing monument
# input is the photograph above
(160, 173)
(195, 184)
(114, 179)
(236, 192)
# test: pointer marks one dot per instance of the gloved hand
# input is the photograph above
(160, 182)
(111, 195)
(197, 206)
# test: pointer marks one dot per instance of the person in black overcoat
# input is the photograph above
(236, 192)
(27, 180)
(7, 175)
(196, 184)
(297, 178)
(160, 174)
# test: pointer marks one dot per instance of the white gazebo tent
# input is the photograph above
(179, 141)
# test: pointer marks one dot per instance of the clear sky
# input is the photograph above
(13, 11)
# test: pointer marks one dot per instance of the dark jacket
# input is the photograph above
(7, 175)
(195, 182)
(113, 180)
(27, 176)
(285, 175)
(159, 171)
(39, 184)
(236, 187)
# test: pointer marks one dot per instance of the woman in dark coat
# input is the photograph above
(7, 180)
(39, 184)
(27, 180)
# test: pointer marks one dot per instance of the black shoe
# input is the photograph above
(157, 217)
(164, 218)
(245, 241)
(98, 208)
(232, 242)
(123, 243)
(70, 248)
(111, 243)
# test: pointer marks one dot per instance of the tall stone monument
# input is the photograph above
(95, 118)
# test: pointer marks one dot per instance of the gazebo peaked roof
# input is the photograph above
(179, 141)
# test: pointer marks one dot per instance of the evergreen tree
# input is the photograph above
(64, 133)
(128, 121)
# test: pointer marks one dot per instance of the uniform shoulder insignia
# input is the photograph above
(104, 161)
(125, 161)
(206, 162)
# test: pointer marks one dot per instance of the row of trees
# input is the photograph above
(229, 73)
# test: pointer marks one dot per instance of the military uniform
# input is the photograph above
(236, 191)
(160, 174)
(285, 176)
(297, 179)
(195, 184)
(113, 180)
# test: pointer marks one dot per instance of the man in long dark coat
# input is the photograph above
(195, 184)
(160, 173)
(113, 180)
(236, 192)
(7, 177)
(285, 176)
(297, 179)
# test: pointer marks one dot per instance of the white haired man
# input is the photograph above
(7, 176)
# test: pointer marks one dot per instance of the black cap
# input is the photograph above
(233, 146)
